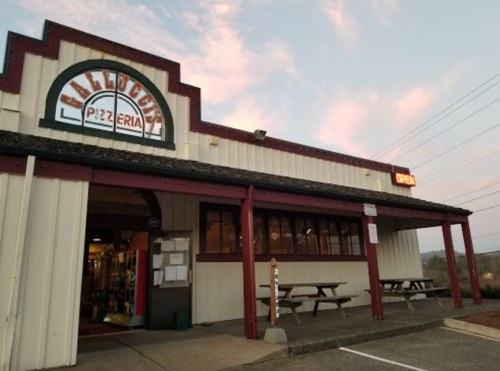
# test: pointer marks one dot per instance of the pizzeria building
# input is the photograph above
(121, 207)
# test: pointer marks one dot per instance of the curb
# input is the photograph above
(472, 328)
(334, 343)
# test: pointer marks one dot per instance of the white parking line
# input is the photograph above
(382, 359)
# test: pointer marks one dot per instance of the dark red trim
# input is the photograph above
(13, 164)
(301, 200)
(375, 292)
(471, 263)
(152, 182)
(248, 265)
(19, 45)
(142, 278)
(133, 222)
(452, 264)
(226, 258)
(62, 170)
(419, 214)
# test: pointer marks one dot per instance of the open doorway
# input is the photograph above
(115, 266)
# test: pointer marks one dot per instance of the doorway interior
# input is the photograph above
(115, 266)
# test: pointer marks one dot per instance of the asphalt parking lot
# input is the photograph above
(433, 350)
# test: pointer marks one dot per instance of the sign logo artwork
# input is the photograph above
(403, 179)
(110, 100)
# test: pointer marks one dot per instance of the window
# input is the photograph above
(291, 235)
(220, 232)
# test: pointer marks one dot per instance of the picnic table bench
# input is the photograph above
(395, 287)
(288, 300)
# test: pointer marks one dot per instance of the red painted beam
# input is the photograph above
(371, 252)
(304, 200)
(419, 214)
(164, 183)
(452, 264)
(471, 263)
(249, 265)
(13, 164)
(62, 170)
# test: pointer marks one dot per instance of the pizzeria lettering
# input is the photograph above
(99, 81)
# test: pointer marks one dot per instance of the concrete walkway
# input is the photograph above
(223, 345)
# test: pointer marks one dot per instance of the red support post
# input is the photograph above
(452, 264)
(371, 255)
(249, 265)
(471, 263)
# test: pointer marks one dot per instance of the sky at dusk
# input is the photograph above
(350, 76)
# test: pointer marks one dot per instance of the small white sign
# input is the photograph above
(276, 293)
(370, 209)
(372, 231)
(167, 245)
(176, 259)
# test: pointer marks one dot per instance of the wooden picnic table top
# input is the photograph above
(286, 286)
(402, 280)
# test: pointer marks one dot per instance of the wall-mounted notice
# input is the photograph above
(157, 261)
(170, 274)
(372, 231)
(182, 272)
(182, 245)
(167, 245)
(176, 259)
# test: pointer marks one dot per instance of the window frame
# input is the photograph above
(203, 256)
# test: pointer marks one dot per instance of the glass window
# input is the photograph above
(300, 236)
(274, 235)
(259, 234)
(311, 237)
(286, 236)
(345, 238)
(228, 232)
(334, 241)
(213, 240)
(324, 237)
(355, 239)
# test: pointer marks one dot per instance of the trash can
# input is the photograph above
(181, 320)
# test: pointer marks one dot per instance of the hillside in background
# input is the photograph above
(425, 256)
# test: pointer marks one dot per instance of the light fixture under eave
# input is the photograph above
(259, 134)
(96, 238)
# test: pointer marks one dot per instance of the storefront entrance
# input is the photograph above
(115, 268)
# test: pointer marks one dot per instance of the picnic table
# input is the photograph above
(289, 300)
(396, 287)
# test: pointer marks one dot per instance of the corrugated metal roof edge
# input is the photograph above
(404, 201)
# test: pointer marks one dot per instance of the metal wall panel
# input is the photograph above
(11, 195)
(47, 326)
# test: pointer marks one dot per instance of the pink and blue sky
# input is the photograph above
(350, 76)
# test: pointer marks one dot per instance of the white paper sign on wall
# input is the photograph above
(372, 232)
(370, 209)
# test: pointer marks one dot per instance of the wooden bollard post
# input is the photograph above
(275, 304)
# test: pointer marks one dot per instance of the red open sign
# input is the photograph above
(403, 179)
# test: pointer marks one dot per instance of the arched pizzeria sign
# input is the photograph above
(111, 100)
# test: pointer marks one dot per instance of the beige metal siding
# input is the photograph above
(47, 326)
(39, 73)
(11, 196)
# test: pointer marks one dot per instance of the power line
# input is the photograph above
(455, 147)
(460, 165)
(439, 113)
(477, 198)
(492, 207)
(475, 190)
(445, 130)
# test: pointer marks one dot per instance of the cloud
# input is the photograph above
(344, 15)
(351, 119)
(344, 23)
(250, 115)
